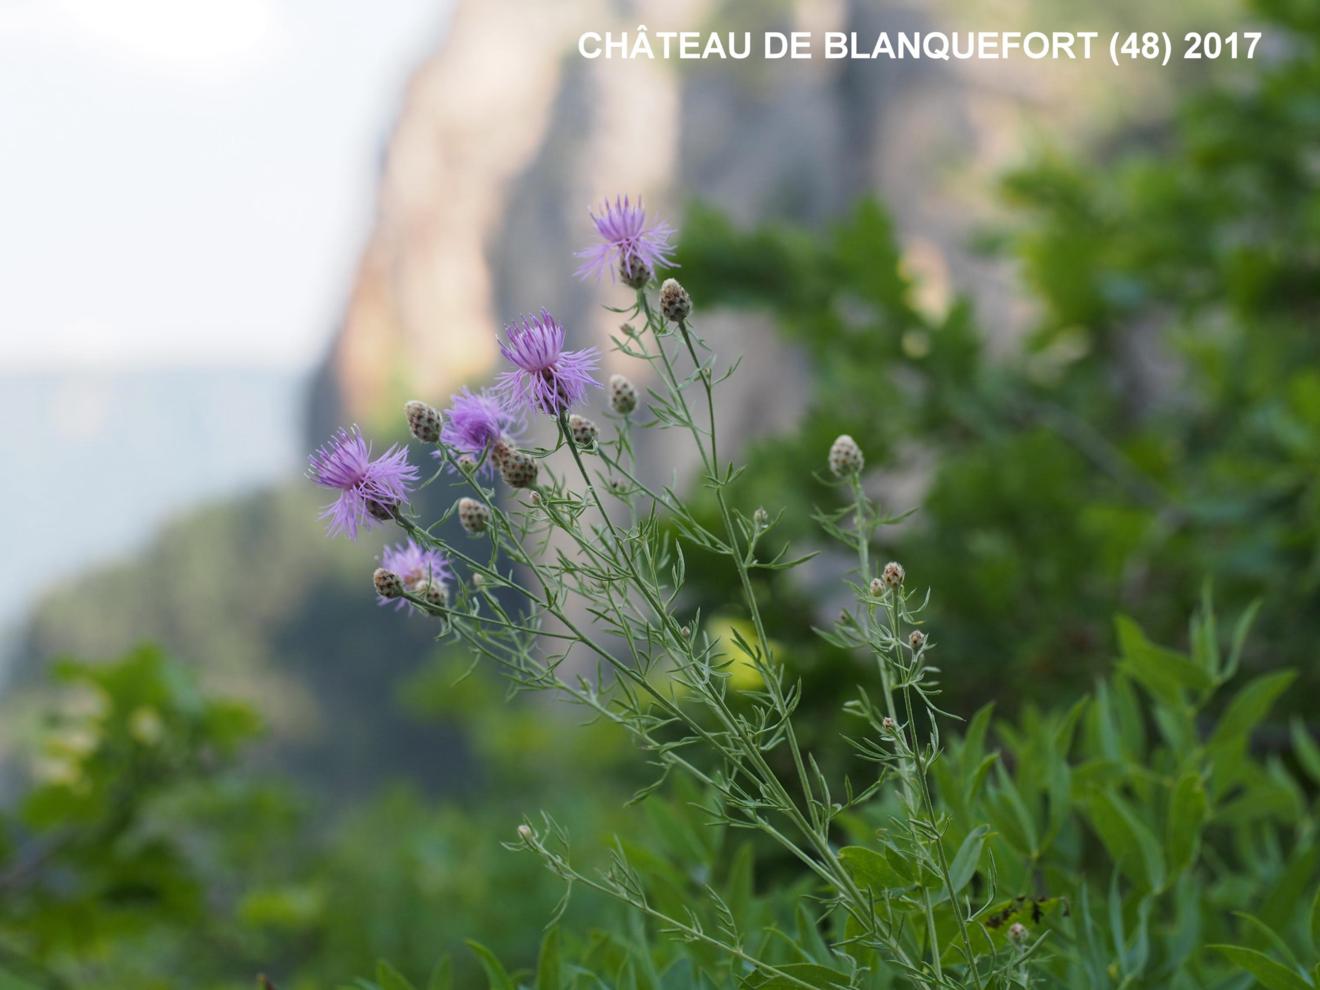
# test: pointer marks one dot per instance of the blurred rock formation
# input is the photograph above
(507, 135)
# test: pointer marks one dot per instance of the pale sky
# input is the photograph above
(189, 181)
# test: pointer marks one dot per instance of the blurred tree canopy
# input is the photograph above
(1160, 423)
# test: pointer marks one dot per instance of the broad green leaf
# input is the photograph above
(1204, 632)
(1137, 943)
(1010, 815)
(548, 975)
(1129, 842)
(810, 942)
(1063, 735)
(1315, 922)
(389, 978)
(1240, 632)
(1279, 909)
(1161, 671)
(1271, 937)
(967, 858)
(739, 885)
(683, 841)
(1270, 974)
(871, 869)
(973, 746)
(1106, 732)
(1059, 795)
(1305, 749)
(977, 780)
(1248, 707)
(679, 975)
(1188, 810)
(442, 977)
(497, 977)
(948, 784)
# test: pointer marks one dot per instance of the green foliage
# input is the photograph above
(1160, 423)
(251, 596)
(1134, 834)
(92, 855)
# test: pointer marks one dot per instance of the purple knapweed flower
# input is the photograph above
(627, 246)
(546, 377)
(418, 568)
(475, 421)
(368, 489)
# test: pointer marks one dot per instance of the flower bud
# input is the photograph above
(893, 574)
(877, 587)
(384, 511)
(466, 463)
(845, 456)
(675, 302)
(760, 518)
(633, 271)
(388, 584)
(584, 430)
(1017, 932)
(536, 498)
(887, 724)
(474, 515)
(525, 832)
(435, 593)
(917, 639)
(478, 580)
(517, 469)
(623, 396)
(423, 421)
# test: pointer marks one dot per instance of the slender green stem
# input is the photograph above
(751, 749)
(816, 828)
(920, 776)
(773, 684)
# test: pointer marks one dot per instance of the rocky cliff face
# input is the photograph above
(507, 135)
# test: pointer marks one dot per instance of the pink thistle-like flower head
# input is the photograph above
(627, 245)
(418, 568)
(475, 422)
(369, 489)
(545, 377)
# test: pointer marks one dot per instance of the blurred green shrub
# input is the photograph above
(91, 858)
(1145, 838)
(1159, 424)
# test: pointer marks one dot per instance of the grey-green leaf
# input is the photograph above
(1270, 974)
(1188, 810)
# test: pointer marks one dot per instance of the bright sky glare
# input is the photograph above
(189, 181)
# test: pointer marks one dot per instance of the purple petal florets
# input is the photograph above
(416, 567)
(626, 241)
(546, 376)
(474, 421)
(368, 489)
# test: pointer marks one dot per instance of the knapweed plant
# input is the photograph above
(1074, 857)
